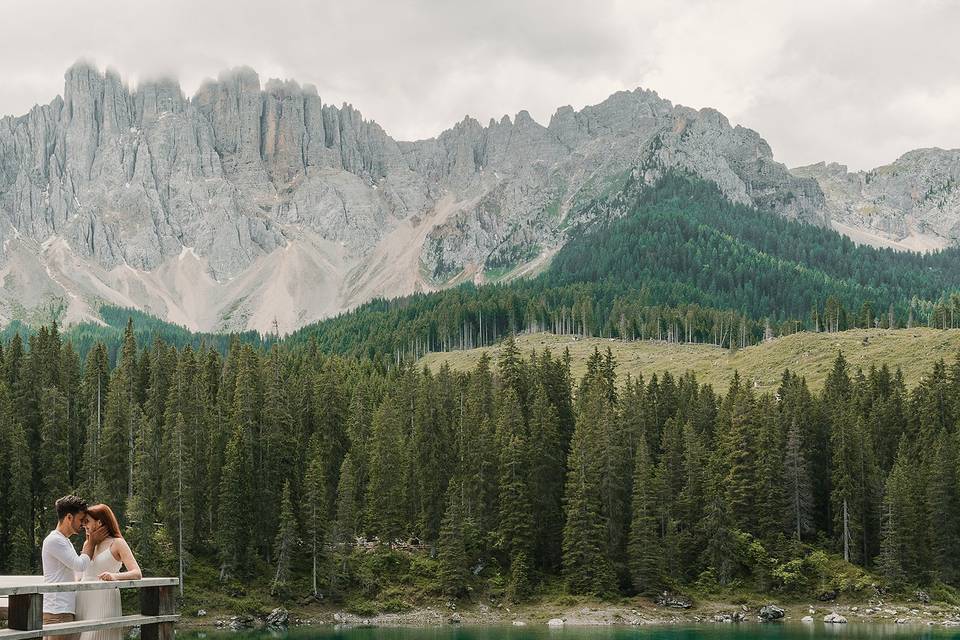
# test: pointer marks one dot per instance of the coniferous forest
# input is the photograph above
(233, 458)
(510, 479)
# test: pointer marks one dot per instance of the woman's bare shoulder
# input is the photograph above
(118, 546)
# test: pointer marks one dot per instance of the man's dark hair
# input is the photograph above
(69, 505)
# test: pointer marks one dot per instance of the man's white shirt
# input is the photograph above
(61, 564)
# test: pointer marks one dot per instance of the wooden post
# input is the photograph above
(157, 601)
(25, 612)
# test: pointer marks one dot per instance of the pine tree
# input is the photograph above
(330, 416)
(644, 547)
(17, 507)
(516, 516)
(96, 377)
(429, 455)
(178, 501)
(692, 499)
(856, 488)
(586, 564)
(233, 540)
(742, 460)
(385, 492)
(55, 447)
(513, 373)
(285, 544)
(452, 547)
(15, 490)
(943, 509)
(315, 508)
(546, 472)
(114, 448)
(772, 503)
(896, 560)
(718, 554)
(796, 483)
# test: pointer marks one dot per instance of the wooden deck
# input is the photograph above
(24, 607)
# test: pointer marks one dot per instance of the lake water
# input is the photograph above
(541, 632)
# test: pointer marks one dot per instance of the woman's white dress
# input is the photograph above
(101, 603)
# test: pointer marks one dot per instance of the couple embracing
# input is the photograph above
(104, 553)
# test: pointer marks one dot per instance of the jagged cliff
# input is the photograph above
(913, 203)
(247, 205)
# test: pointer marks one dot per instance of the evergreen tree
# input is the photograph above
(943, 509)
(546, 472)
(586, 563)
(96, 377)
(234, 501)
(644, 549)
(896, 561)
(855, 488)
(796, 483)
(315, 508)
(452, 547)
(15, 490)
(385, 492)
(516, 516)
(742, 460)
(55, 448)
(285, 544)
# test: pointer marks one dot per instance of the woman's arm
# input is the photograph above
(121, 551)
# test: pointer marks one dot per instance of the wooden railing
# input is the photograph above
(25, 608)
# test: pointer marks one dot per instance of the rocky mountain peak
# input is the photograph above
(250, 203)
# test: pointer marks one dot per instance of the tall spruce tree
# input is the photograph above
(645, 559)
(452, 546)
(286, 541)
(516, 515)
(233, 533)
(315, 509)
(796, 483)
(587, 565)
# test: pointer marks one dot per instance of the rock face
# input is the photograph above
(913, 203)
(258, 206)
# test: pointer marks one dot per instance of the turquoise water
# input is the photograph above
(541, 632)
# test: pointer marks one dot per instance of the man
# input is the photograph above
(61, 562)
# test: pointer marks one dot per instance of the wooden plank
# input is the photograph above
(7, 589)
(157, 601)
(66, 628)
(25, 611)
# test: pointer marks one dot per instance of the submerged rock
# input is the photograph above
(807, 619)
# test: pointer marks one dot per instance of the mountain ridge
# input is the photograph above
(250, 207)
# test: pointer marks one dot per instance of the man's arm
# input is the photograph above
(64, 553)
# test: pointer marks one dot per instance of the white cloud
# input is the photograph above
(857, 82)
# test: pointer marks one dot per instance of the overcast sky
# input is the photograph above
(849, 81)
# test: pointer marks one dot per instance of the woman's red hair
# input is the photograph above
(104, 515)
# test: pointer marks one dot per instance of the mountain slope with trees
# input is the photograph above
(505, 480)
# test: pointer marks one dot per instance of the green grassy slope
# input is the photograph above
(808, 354)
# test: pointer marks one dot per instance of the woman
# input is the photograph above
(112, 553)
